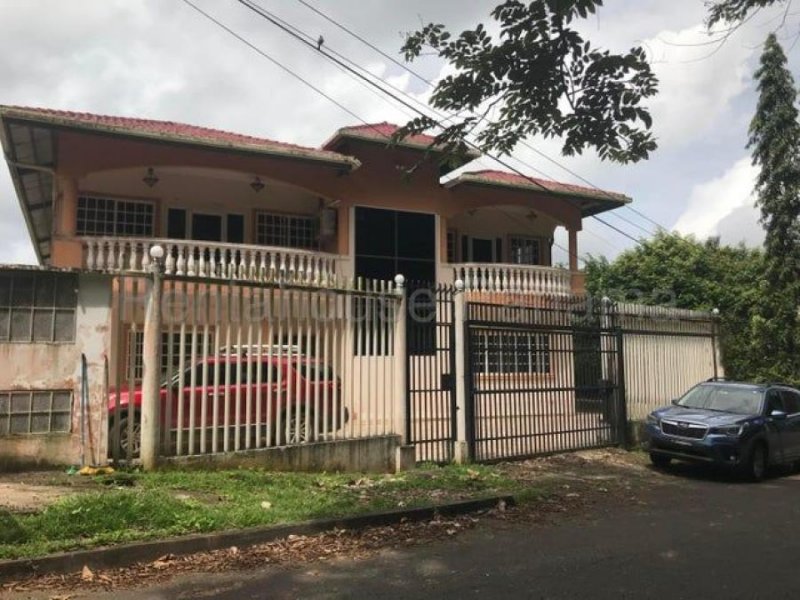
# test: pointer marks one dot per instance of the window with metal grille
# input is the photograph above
(289, 231)
(452, 245)
(114, 217)
(35, 412)
(524, 250)
(38, 306)
(513, 353)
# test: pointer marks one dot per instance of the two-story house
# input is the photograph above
(97, 191)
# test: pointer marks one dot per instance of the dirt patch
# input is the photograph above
(24, 498)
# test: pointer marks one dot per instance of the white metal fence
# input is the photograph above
(246, 366)
(667, 351)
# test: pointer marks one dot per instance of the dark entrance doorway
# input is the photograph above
(207, 228)
(389, 242)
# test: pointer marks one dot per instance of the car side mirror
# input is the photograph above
(675, 401)
(778, 415)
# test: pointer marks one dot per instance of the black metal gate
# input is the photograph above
(431, 372)
(543, 379)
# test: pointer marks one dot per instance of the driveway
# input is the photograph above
(704, 536)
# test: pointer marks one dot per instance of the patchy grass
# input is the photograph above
(140, 506)
(125, 507)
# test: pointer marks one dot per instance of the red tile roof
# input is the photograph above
(381, 132)
(171, 131)
(505, 179)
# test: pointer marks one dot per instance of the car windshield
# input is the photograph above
(740, 400)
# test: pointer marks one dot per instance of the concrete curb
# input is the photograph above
(128, 554)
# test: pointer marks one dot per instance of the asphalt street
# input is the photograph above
(703, 537)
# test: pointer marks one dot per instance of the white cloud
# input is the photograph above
(713, 201)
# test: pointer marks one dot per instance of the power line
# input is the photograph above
(283, 67)
(305, 39)
(430, 83)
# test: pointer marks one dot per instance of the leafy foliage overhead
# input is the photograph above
(540, 77)
(736, 11)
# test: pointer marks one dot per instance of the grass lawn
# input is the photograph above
(124, 507)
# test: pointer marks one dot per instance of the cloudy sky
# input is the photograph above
(160, 59)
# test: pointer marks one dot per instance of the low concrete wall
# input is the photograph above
(373, 455)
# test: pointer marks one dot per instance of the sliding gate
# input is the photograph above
(543, 379)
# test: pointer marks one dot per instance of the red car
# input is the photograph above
(287, 387)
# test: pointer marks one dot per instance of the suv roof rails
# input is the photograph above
(710, 379)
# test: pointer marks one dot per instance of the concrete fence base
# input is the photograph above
(380, 454)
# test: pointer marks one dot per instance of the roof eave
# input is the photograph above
(8, 153)
(610, 201)
(348, 162)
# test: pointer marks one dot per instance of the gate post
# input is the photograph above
(402, 424)
(461, 451)
(151, 366)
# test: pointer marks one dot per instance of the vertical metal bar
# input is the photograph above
(218, 299)
(325, 373)
(240, 356)
(204, 355)
(260, 365)
(181, 382)
(298, 353)
(272, 415)
(281, 400)
(248, 436)
(192, 298)
(226, 408)
(167, 419)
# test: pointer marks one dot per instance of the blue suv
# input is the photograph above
(745, 426)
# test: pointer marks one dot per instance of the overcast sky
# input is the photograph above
(160, 59)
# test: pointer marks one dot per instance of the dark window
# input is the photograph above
(388, 243)
(482, 251)
(452, 246)
(38, 307)
(235, 229)
(206, 228)
(113, 217)
(35, 411)
(791, 401)
(176, 223)
(774, 401)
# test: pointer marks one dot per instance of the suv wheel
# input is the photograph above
(755, 467)
(660, 461)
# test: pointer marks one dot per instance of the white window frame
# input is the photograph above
(115, 218)
(288, 242)
(527, 238)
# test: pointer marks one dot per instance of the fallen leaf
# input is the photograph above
(266, 505)
(86, 574)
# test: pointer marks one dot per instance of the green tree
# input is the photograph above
(679, 271)
(775, 143)
(543, 78)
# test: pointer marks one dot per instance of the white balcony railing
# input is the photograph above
(485, 277)
(213, 260)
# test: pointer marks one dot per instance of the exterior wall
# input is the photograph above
(48, 366)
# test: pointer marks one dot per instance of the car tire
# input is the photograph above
(299, 434)
(123, 435)
(755, 467)
(660, 461)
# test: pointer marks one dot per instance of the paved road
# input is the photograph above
(704, 538)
